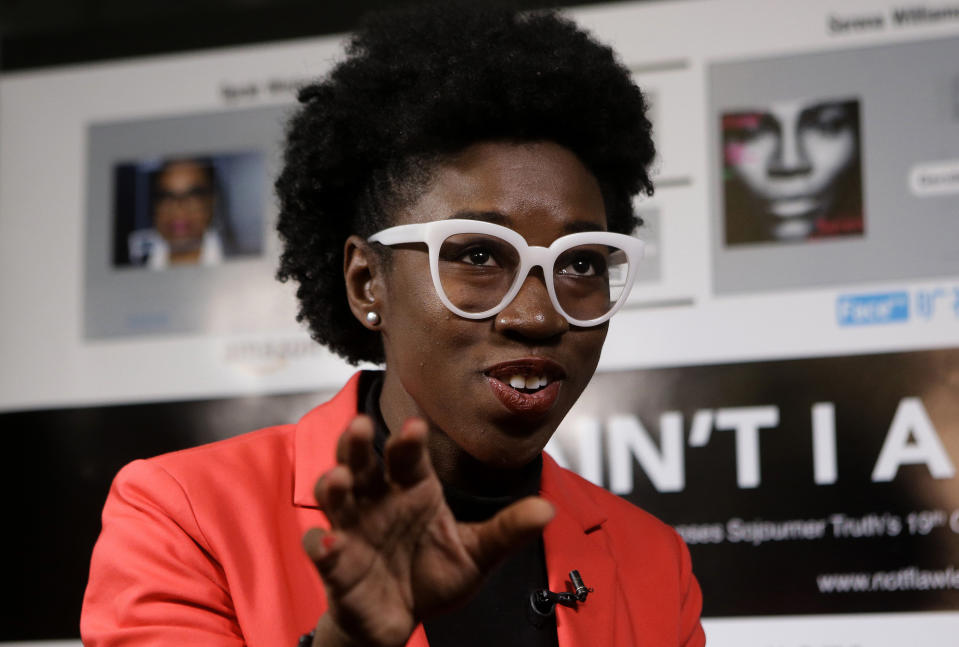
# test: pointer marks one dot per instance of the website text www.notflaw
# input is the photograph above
(910, 578)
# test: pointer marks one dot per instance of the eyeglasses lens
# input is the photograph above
(193, 199)
(477, 270)
(590, 279)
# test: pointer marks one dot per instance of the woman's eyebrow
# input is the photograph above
(829, 107)
(582, 225)
(494, 217)
(745, 112)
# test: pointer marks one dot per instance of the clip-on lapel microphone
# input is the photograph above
(544, 601)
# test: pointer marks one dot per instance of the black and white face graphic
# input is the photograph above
(790, 157)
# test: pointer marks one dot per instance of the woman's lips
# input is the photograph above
(534, 371)
(535, 404)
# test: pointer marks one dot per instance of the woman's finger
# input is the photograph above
(355, 450)
(489, 542)
(407, 462)
(334, 496)
(360, 429)
(321, 547)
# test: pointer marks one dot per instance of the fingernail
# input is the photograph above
(329, 540)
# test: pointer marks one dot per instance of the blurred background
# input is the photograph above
(782, 386)
(55, 32)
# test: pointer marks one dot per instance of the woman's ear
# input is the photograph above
(362, 271)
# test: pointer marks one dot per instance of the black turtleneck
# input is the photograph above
(499, 614)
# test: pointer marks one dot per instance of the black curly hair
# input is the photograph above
(420, 85)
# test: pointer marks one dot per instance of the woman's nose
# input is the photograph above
(789, 158)
(531, 313)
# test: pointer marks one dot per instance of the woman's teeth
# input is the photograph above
(528, 382)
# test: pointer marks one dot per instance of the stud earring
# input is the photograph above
(372, 318)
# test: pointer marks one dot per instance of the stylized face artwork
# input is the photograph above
(790, 157)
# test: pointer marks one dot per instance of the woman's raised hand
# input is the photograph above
(395, 555)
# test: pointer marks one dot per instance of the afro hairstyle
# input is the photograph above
(424, 83)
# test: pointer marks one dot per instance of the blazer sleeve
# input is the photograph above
(691, 632)
(153, 577)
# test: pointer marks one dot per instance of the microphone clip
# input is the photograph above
(544, 601)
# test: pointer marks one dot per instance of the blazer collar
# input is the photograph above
(566, 491)
(315, 438)
(574, 540)
(314, 450)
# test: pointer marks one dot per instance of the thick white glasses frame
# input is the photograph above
(530, 256)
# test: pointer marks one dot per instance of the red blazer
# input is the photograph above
(202, 547)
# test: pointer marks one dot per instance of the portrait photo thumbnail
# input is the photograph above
(792, 171)
(180, 225)
(188, 209)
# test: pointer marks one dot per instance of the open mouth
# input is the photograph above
(528, 387)
(527, 375)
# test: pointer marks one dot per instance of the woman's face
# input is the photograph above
(455, 372)
(790, 156)
(184, 205)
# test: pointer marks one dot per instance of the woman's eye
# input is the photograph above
(580, 267)
(478, 256)
(829, 119)
(830, 125)
(747, 127)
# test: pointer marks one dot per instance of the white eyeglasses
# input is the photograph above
(478, 267)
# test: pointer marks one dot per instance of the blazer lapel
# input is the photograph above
(418, 639)
(574, 539)
(315, 440)
(315, 452)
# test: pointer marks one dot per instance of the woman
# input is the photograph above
(422, 181)
(184, 206)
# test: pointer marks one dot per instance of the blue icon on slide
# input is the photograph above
(869, 309)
